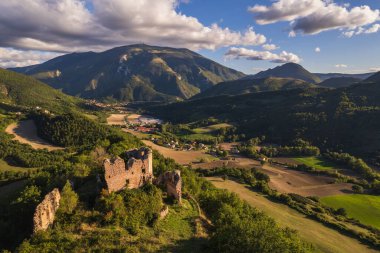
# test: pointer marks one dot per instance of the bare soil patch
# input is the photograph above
(116, 119)
(26, 132)
(325, 239)
(181, 157)
(286, 180)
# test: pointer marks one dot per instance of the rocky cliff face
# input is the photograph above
(45, 211)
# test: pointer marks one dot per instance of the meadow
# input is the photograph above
(365, 208)
(316, 162)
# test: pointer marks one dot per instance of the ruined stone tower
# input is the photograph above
(173, 183)
(45, 211)
(135, 173)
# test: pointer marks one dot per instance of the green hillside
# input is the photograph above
(23, 90)
(255, 85)
(365, 208)
(133, 73)
(346, 118)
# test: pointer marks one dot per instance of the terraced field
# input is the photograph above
(325, 239)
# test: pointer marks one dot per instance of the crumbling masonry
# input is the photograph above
(173, 183)
(45, 211)
(137, 172)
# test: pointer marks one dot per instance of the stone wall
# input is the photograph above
(45, 211)
(173, 183)
(135, 173)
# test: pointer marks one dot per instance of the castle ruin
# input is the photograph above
(138, 171)
(45, 211)
(173, 183)
(135, 173)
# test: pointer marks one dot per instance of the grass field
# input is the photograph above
(4, 166)
(199, 137)
(316, 162)
(211, 128)
(325, 239)
(365, 208)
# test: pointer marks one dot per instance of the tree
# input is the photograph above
(357, 188)
(341, 211)
(69, 199)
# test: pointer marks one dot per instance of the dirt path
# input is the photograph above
(26, 132)
(324, 238)
(181, 157)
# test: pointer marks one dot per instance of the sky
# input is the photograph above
(247, 35)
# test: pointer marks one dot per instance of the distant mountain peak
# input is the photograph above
(289, 70)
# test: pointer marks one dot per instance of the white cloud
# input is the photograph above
(341, 66)
(317, 50)
(360, 30)
(68, 25)
(16, 58)
(270, 47)
(283, 57)
(376, 69)
(315, 16)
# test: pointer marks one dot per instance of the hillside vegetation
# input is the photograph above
(342, 119)
(132, 73)
(26, 91)
(251, 86)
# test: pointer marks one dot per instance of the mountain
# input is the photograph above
(325, 76)
(336, 119)
(339, 82)
(374, 78)
(24, 90)
(288, 70)
(132, 73)
(253, 85)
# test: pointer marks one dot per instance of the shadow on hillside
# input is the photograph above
(187, 246)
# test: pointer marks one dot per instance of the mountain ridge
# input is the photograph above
(133, 73)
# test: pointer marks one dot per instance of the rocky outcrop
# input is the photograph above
(173, 182)
(135, 173)
(164, 212)
(45, 211)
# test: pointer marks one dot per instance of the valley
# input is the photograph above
(280, 161)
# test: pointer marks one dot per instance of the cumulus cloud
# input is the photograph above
(283, 57)
(315, 16)
(15, 58)
(270, 47)
(69, 25)
(339, 66)
(317, 50)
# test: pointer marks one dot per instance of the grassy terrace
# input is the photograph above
(4, 166)
(316, 162)
(211, 128)
(365, 208)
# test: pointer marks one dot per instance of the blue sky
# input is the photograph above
(346, 32)
(359, 53)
